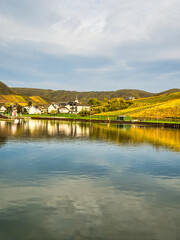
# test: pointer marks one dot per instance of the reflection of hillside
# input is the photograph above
(117, 134)
(136, 135)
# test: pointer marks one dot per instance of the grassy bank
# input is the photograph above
(97, 117)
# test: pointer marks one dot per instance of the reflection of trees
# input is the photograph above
(121, 134)
(138, 135)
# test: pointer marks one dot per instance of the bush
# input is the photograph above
(84, 112)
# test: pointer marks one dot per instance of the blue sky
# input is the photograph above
(90, 45)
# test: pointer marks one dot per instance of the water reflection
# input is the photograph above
(65, 180)
(118, 134)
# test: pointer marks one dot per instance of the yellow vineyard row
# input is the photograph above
(169, 109)
(22, 101)
(166, 109)
(38, 100)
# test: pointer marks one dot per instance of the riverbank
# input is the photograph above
(90, 119)
(141, 123)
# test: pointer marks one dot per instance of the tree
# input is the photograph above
(19, 109)
(94, 102)
(9, 109)
(30, 103)
(84, 112)
(53, 112)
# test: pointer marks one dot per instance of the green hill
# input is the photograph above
(63, 96)
(4, 89)
(173, 90)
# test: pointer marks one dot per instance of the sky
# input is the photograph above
(90, 45)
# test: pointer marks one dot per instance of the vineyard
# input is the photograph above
(37, 100)
(22, 101)
(163, 106)
(13, 99)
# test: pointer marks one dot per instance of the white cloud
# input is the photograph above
(96, 27)
(124, 32)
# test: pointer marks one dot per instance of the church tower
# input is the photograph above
(76, 100)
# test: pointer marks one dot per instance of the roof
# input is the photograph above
(63, 103)
(64, 108)
(83, 104)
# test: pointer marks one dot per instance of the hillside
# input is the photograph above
(162, 106)
(173, 90)
(63, 96)
(22, 101)
(4, 89)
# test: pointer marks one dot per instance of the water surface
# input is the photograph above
(61, 180)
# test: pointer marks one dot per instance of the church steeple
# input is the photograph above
(76, 100)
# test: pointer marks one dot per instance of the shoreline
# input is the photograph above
(154, 124)
(140, 123)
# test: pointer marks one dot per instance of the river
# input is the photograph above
(65, 180)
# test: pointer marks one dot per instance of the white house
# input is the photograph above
(53, 107)
(130, 98)
(43, 108)
(76, 107)
(3, 109)
(33, 110)
(63, 110)
(80, 107)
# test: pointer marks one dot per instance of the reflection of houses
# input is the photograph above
(73, 130)
(56, 128)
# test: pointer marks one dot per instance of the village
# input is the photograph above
(72, 107)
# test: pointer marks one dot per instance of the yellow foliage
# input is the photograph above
(169, 109)
(22, 101)
(146, 108)
(14, 99)
(38, 100)
(158, 137)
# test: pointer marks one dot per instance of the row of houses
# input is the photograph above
(62, 107)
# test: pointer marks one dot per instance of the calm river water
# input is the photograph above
(62, 181)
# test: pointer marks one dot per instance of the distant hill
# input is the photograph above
(63, 96)
(173, 90)
(4, 89)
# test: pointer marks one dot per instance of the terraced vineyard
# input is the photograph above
(37, 100)
(163, 106)
(21, 100)
(169, 109)
(13, 99)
